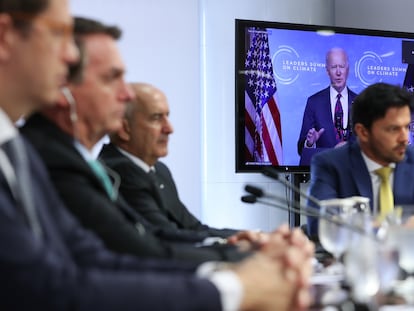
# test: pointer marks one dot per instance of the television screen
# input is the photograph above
(281, 72)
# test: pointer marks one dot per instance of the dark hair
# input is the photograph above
(23, 11)
(85, 26)
(372, 103)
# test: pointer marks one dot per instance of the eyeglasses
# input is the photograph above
(57, 28)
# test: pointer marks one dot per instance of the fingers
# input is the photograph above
(314, 135)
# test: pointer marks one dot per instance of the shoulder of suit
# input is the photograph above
(319, 94)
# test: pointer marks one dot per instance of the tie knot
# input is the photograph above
(339, 96)
(384, 172)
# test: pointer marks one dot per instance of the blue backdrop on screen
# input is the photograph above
(298, 59)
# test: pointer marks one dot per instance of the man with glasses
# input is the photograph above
(47, 260)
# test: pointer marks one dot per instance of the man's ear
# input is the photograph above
(124, 131)
(7, 36)
(362, 132)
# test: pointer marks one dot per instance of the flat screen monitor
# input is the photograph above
(279, 66)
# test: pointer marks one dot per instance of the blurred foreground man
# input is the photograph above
(64, 136)
(48, 261)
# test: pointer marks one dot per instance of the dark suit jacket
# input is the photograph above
(155, 197)
(119, 226)
(70, 269)
(342, 172)
(318, 114)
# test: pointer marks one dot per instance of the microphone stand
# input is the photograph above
(277, 202)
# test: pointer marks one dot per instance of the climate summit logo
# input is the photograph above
(371, 68)
(288, 65)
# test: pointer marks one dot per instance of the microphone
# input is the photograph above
(298, 209)
(249, 198)
(257, 193)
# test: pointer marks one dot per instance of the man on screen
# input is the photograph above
(326, 121)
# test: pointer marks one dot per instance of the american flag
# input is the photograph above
(263, 133)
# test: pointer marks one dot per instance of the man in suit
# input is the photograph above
(65, 134)
(47, 260)
(381, 115)
(134, 152)
(326, 121)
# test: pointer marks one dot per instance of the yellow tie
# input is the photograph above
(386, 198)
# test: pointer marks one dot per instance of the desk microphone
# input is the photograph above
(258, 195)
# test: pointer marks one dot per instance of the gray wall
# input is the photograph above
(394, 15)
(186, 47)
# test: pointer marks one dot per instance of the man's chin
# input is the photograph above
(47, 100)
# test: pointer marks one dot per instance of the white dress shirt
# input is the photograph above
(7, 128)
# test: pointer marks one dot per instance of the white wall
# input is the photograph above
(394, 15)
(186, 47)
(160, 45)
(222, 187)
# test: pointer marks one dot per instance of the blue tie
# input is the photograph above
(101, 173)
(22, 187)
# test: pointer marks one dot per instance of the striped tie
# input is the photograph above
(339, 117)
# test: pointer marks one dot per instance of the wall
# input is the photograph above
(160, 45)
(186, 48)
(394, 15)
(222, 187)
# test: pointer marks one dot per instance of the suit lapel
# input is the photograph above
(359, 172)
(403, 182)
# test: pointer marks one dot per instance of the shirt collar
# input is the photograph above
(136, 160)
(85, 153)
(7, 128)
(344, 94)
(372, 165)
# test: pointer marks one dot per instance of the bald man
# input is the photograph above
(134, 152)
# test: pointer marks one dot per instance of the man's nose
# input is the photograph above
(126, 93)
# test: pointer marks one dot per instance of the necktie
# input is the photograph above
(386, 198)
(21, 184)
(339, 116)
(153, 176)
(100, 172)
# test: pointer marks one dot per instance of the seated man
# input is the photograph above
(48, 261)
(65, 134)
(134, 152)
(381, 117)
